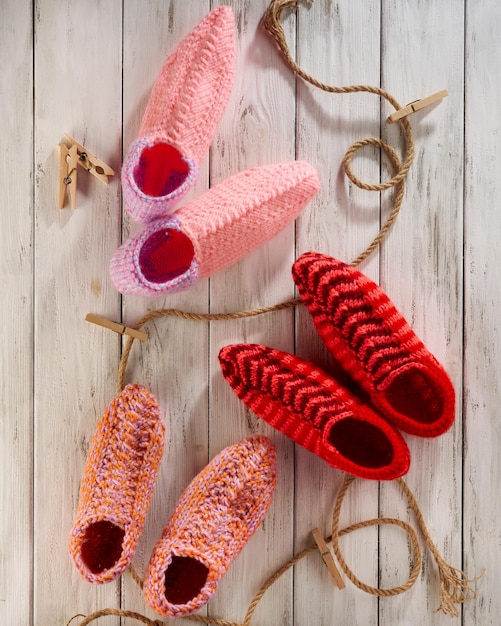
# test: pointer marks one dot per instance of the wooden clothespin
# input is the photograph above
(116, 327)
(73, 154)
(417, 105)
(327, 558)
(68, 174)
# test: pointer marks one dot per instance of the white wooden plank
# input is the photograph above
(173, 362)
(422, 273)
(16, 312)
(257, 129)
(482, 528)
(78, 90)
(336, 46)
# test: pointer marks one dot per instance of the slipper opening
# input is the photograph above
(165, 255)
(185, 578)
(161, 170)
(361, 442)
(414, 393)
(102, 546)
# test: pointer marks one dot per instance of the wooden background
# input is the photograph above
(87, 68)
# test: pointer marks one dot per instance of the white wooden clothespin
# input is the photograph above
(121, 329)
(417, 105)
(327, 558)
(73, 154)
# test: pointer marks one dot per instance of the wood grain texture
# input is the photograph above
(173, 362)
(87, 69)
(482, 484)
(16, 313)
(341, 221)
(426, 247)
(258, 128)
(78, 90)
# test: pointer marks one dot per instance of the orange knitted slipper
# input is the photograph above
(117, 485)
(215, 517)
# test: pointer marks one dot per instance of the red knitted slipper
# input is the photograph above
(372, 341)
(299, 399)
(117, 485)
(215, 517)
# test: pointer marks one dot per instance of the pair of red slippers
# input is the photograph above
(407, 388)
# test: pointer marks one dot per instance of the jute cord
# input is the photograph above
(455, 588)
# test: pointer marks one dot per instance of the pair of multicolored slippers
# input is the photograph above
(174, 250)
(402, 386)
(215, 517)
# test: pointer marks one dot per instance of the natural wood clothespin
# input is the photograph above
(327, 558)
(68, 174)
(417, 105)
(72, 154)
(116, 327)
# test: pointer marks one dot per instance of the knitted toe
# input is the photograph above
(194, 85)
(301, 401)
(215, 517)
(119, 477)
(245, 211)
(374, 343)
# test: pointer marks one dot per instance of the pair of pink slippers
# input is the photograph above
(174, 250)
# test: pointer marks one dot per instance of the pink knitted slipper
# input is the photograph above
(214, 231)
(185, 106)
(373, 343)
(117, 485)
(217, 514)
(303, 402)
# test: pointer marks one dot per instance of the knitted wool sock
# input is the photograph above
(117, 485)
(214, 231)
(375, 345)
(300, 400)
(185, 106)
(217, 514)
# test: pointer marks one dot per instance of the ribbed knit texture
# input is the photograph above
(221, 227)
(117, 485)
(373, 343)
(185, 106)
(215, 517)
(303, 402)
